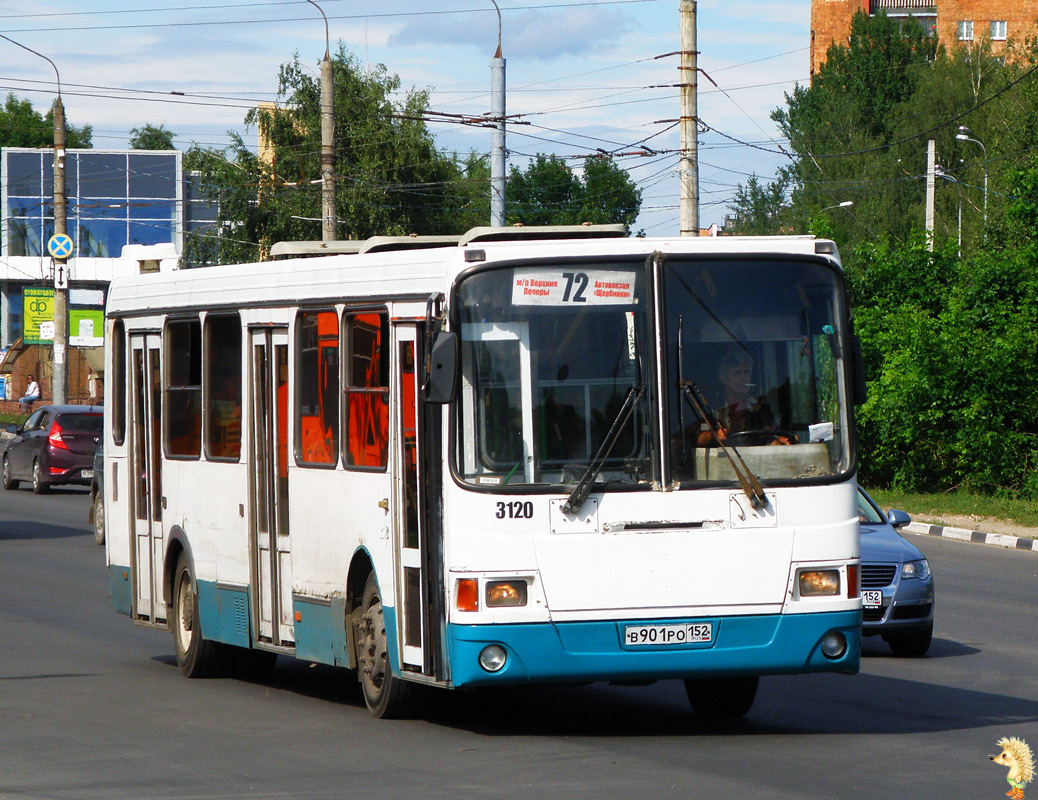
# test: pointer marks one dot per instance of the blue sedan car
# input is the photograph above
(897, 587)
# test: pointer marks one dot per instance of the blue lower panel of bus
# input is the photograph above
(320, 630)
(120, 589)
(771, 644)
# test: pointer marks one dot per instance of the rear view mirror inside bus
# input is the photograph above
(443, 368)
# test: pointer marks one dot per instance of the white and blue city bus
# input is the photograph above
(511, 457)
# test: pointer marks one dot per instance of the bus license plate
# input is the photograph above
(655, 635)
(872, 598)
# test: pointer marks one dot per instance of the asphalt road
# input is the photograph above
(93, 707)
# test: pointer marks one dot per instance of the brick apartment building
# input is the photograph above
(952, 21)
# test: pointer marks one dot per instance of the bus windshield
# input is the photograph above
(750, 372)
(757, 343)
(549, 358)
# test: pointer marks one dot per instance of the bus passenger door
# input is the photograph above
(416, 489)
(146, 475)
(269, 539)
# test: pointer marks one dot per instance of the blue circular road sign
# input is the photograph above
(60, 245)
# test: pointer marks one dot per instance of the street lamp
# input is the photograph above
(844, 204)
(328, 215)
(61, 281)
(939, 172)
(498, 178)
(964, 135)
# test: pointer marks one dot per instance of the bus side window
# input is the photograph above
(184, 387)
(223, 389)
(366, 393)
(317, 421)
(118, 407)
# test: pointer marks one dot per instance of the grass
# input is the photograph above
(1019, 512)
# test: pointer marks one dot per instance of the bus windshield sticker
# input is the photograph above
(820, 432)
(571, 287)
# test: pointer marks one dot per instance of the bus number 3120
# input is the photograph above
(516, 509)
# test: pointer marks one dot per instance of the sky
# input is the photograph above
(582, 77)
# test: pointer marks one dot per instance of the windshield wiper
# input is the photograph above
(579, 495)
(747, 479)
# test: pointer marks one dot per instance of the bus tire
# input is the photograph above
(722, 697)
(386, 696)
(196, 657)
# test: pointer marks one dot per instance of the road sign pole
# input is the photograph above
(60, 384)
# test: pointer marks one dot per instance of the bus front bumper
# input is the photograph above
(580, 652)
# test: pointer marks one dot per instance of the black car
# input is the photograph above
(55, 445)
(897, 586)
(96, 515)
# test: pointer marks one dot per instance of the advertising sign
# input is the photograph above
(37, 310)
(86, 327)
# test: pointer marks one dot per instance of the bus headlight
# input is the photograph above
(506, 594)
(819, 582)
(493, 657)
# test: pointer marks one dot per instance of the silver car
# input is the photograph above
(897, 587)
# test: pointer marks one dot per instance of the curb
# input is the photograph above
(976, 537)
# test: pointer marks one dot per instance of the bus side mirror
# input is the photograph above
(858, 360)
(443, 368)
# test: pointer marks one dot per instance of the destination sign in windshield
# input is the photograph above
(565, 287)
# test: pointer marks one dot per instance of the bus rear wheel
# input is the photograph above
(196, 657)
(385, 695)
(722, 697)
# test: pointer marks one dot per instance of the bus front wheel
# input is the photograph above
(196, 657)
(722, 697)
(385, 695)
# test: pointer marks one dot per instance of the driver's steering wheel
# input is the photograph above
(761, 436)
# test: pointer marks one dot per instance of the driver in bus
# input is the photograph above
(734, 407)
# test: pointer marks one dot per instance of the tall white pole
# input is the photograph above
(688, 169)
(497, 145)
(328, 215)
(931, 182)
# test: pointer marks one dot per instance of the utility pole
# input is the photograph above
(328, 215)
(689, 163)
(497, 145)
(61, 281)
(931, 184)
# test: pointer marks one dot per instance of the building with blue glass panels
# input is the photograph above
(115, 198)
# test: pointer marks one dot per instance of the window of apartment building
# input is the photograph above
(999, 29)
(965, 30)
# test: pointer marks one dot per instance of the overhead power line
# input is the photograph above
(307, 19)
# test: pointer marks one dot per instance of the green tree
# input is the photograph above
(390, 177)
(548, 192)
(761, 209)
(22, 126)
(150, 137)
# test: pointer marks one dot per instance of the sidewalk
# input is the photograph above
(1013, 542)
